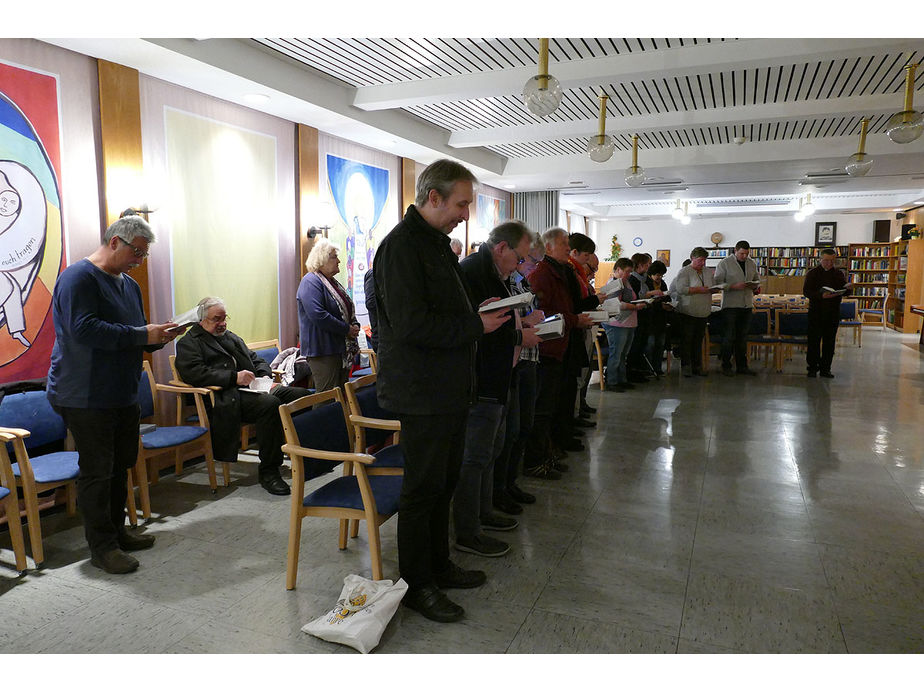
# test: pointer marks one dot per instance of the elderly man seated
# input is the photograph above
(210, 354)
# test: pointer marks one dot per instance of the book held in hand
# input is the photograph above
(718, 286)
(552, 327)
(190, 317)
(261, 384)
(611, 287)
(836, 292)
(644, 300)
(597, 315)
(514, 301)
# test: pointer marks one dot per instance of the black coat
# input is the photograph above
(427, 324)
(494, 359)
(201, 361)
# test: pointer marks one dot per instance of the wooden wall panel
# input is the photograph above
(308, 184)
(408, 186)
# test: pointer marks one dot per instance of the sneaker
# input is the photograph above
(573, 445)
(520, 496)
(503, 502)
(115, 561)
(483, 545)
(587, 409)
(498, 523)
(615, 387)
(628, 386)
(542, 471)
(459, 578)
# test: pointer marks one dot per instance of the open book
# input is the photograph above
(262, 384)
(718, 286)
(597, 315)
(753, 284)
(836, 292)
(190, 317)
(611, 287)
(646, 300)
(552, 327)
(514, 301)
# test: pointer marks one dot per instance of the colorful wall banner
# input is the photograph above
(31, 229)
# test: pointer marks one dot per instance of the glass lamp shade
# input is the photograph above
(685, 219)
(799, 216)
(600, 148)
(542, 95)
(635, 176)
(808, 208)
(902, 131)
(677, 213)
(858, 165)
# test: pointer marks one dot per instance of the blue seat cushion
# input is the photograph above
(762, 338)
(794, 339)
(391, 456)
(55, 466)
(850, 323)
(170, 436)
(343, 492)
(871, 310)
(4, 492)
(359, 372)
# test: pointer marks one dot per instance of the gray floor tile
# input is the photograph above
(546, 632)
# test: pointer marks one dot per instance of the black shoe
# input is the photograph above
(459, 578)
(519, 495)
(542, 471)
(582, 423)
(483, 545)
(687, 372)
(587, 409)
(129, 541)
(826, 374)
(628, 386)
(727, 370)
(115, 561)
(747, 371)
(274, 484)
(506, 504)
(559, 466)
(576, 433)
(430, 603)
(616, 387)
(638, 379)
(498, 523)
(573, 445)
(812, 374)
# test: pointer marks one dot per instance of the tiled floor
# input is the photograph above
(767, 514)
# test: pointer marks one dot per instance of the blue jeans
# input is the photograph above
(474, 495)
(620, 341)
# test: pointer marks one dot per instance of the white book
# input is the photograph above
(718, 286)
(514, 301)
(643, 300)
(261, 384)
(190, 317)
(552, 327)
(597, 315)
(611, 287)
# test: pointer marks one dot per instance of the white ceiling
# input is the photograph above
(798, 103)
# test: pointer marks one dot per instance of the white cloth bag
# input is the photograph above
(363, 611)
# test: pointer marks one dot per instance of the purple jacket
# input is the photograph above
(322, 330)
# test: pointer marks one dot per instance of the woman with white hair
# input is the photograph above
(326, 319)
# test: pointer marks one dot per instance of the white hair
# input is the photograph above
(202, 308)
(321, 252)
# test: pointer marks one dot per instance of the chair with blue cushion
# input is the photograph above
(791, 330)
(31, 423)
(368, 370)
(9, 503)
(173, 443)
(850, 317)
(761, 335)
(602, 347)
(318, 439)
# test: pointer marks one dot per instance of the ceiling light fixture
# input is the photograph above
(799, 215)
(677, 212)
(542, 93)
(908, 125)
(685, 219)
(809, 207)
(635, 174)
(859, 164)
(600, 146)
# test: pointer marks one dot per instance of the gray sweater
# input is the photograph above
(696, 305)
(729, 271)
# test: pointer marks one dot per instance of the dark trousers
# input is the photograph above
(735, 327)
(654, 350)
(636, 358)
(551, 379)
(691, 354)
(107, 445)
(473, 497)
(822, 333)
(521, 405)
(432, 446)
(262, 409)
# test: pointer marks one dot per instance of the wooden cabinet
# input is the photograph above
(914, 284)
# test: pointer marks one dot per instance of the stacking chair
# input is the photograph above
(181, 441)
(370, 369)
(850, 317)
(714, 326)
(29, 423)
(267, 350)
(602, 347)
(761, 335)
(791, 330)
(9, 503)
(317, 433)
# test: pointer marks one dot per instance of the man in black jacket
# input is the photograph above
(209, 354)
(427, 333)
(486, 273)
(824, 313)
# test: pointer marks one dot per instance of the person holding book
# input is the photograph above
(825, 285)
(740, 279)
(620, 330)
(657, 315)
(211, 355)
(637, 368)
(693, 287)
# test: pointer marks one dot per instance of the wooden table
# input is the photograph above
(919, 310)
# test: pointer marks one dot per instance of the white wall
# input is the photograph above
(660, 234)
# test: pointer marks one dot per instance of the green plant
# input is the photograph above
(615, 249)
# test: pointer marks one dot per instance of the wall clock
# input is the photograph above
(716, 238)
(637, 241)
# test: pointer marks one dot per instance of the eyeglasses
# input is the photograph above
(139, 253)
(520, 258)
(219, 318)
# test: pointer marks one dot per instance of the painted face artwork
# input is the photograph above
(10, 203)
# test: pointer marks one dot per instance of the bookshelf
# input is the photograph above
(869, 269)
(914, 284)
(792, 261)
(895, 293)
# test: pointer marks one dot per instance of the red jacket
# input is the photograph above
(550, 285)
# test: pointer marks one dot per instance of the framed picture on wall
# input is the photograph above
(665, 257)
(825, 233)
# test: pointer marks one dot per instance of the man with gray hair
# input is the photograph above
(101, 334)
(428, 328)
(212, 355)
(456, 246)
(693, 288)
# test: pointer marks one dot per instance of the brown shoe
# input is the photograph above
(115, 561)
(128, 541)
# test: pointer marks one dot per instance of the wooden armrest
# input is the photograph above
(383, 424)
(182, 390)
(15, 432)
(328, 455)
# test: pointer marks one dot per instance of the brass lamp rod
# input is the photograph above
(634, 153)
(863, 125)
(602, 127)
(543, 63)
(909, 92)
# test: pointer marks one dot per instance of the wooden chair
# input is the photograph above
(761, 335)
(850, 317)
(370, 369)
(317, 433)
(9, 503)
(602, 349)
(791, 330)
(268, 350)
(174, 443)
(28, 422)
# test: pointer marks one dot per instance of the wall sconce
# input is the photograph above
(859, 164)
(908, 125)
(600, 146)
(542, 93)
(635, 174)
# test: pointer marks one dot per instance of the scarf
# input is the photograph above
(347, 312)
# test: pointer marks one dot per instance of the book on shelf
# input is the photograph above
(514, 301)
